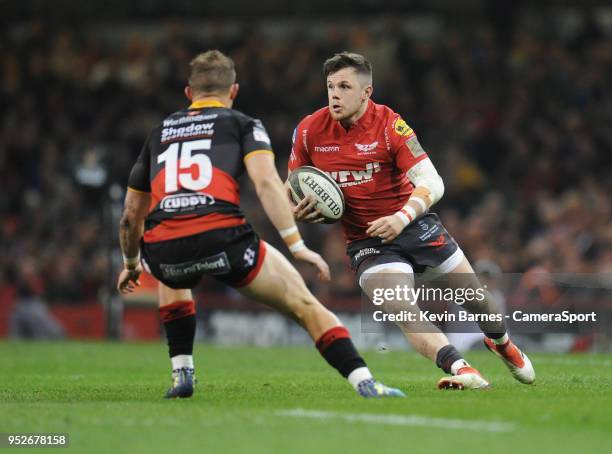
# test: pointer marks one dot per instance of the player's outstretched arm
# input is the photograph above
(271, 193)
(131, 227)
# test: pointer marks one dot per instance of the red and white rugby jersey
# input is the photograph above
(190, 164)
(369, 161)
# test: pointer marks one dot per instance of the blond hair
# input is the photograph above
(211, 72)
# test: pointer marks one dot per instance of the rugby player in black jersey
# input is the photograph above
(182, 213)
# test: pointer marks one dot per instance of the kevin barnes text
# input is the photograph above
(427, 316)
(518, 316)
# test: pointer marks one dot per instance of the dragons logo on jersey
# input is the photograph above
(401, 128)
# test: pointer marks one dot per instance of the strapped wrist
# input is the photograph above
(420, 202)
(131, 263)
(297, 246)
(407, 214)
(292, 238)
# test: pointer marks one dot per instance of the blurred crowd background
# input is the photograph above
(515, 112)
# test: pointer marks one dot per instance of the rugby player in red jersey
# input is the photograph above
(182, 212)
(389, 185)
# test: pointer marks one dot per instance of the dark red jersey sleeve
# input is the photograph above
(405, 145)
(299, 149)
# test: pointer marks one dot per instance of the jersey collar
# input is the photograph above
(206, 103)
(366, 119)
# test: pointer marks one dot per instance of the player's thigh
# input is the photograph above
(464, 267)
(169, 295)
(389, 284)
(462, 276)
(156, 256)
(386, 272)
(279, 285)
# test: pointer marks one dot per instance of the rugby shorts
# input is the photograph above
(424, 246)
(232, 255)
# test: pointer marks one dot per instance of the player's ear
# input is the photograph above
(189, 93)
(367, 92)
(234, 91)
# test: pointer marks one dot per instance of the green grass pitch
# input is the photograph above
(108, 397)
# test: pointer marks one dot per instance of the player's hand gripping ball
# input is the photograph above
(310, 183)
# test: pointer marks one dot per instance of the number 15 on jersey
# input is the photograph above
(179, 170)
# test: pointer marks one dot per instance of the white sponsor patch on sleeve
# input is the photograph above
(261, 135)
(415, 147)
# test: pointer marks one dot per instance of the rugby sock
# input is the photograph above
(182, 361)
(336, 346)
(358, 375)
(180, 325)
(447, 357)
(498, 340)
(459, 364)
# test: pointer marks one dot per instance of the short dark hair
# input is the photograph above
(211, 72)
(347, 60)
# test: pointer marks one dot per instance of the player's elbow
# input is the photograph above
(424, 174)
(267, 183)
(129, 219)
(126, 222)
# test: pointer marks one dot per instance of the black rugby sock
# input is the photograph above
(446, 356)
(180, 325)
(336, 346)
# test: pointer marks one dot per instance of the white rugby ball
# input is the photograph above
(308, 180)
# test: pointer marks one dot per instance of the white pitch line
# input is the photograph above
(404, 420)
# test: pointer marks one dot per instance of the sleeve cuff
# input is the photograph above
(256, 152)
(138, 191)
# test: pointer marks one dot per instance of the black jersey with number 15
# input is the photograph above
(190, 164)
